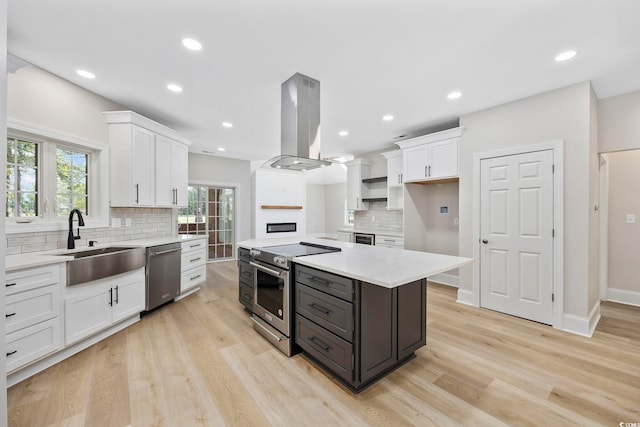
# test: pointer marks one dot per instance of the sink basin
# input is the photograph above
(94, 264)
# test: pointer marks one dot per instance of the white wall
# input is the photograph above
(335, 196)
(212, 170)
(3, 166)
(561, 114)
(624, 239)
(619, 122)
(315, 210)
(41, 98)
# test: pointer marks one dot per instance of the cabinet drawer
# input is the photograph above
(193, 277)
(338, 286)
(245, 295)
(244, 255)
(329, 349)
(31, 307)
(29, 344)
(32, 278)
(193, 259)
(389, 242)
(328, 311)
(245, 273)
(193, 245)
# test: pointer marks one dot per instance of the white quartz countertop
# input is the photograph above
(387, 267)
(36, 259)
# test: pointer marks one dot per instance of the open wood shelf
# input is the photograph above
(374, 199)
(372, 180)
(280, 207)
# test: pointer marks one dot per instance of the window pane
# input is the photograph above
(64, 204)
(27, 153)
(11, 203)
(72, 178)
(11, 151)
(27, 179)
(22, 178)
(27, 204)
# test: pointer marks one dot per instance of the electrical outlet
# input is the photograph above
(631, 218)
(127, 222)
(456, 221)
(116, 222)
(373, 218)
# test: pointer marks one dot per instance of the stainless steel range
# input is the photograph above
(273, 290)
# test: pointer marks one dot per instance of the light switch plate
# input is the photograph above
(127, 222)
(631, 218)
(116, 222)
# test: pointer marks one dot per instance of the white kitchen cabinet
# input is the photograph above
(395, 179)
(345, 236)
(148, 162)
(357, 170)
(431, 157)
(193, 264)
(94, 306)
(32, 310)
(171, 158)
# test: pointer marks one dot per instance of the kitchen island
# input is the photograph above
(361, 312)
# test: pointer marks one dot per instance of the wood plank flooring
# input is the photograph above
(198, 362)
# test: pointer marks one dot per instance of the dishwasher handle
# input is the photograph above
(164, 252)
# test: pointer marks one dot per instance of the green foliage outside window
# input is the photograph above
(22, 178)
(72, 177)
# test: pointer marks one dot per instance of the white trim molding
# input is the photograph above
(465, 296)
(582, 325)
(623, 296)
(558, 223)
(445, 279)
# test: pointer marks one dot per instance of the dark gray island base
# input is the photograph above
(354, 330)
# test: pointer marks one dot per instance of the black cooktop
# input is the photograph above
(299, 249)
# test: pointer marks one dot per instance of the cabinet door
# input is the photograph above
(443, 159)
(179, 172)
(354, 196)
(87, 313)
(394, 171)
(165, 194)
(128, 297)
(143, 166)
(415, 163)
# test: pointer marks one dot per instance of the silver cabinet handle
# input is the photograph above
(265, 269)
(137, 193)
(278, 338)
(425, 171)
(165, 252)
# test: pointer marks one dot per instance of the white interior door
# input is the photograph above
(516, 233)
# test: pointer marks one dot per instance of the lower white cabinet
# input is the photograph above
(32, 309)
(345, 236)
(389, 241)
(96, 305)
(193, 265)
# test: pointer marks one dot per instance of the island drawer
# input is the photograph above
(333, 284)
(331, 350)
(245, 272)
(245, 295)
(244, 255)
(328, 311)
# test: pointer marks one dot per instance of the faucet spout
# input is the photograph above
(71, 244)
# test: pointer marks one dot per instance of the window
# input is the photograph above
(22, 178)
(49, 174)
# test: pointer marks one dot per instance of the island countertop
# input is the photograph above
(386, 267)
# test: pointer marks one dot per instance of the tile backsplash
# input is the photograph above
(145, 223)
(379, 218)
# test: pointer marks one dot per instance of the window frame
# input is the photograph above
(98, 181)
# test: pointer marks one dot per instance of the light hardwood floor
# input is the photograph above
(199, 362)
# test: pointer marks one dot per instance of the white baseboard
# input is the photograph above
(465, 297)
(582, 325)
(623, 296)
(445, 279)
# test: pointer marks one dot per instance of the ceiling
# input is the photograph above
(372, 57)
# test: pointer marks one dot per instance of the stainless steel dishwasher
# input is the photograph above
(162, 274)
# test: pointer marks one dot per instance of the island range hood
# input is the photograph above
(299, 125)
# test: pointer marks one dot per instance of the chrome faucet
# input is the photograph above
(71, 244)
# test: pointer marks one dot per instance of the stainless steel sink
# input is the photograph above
(94, 264)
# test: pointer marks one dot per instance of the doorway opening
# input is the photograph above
(211, 212)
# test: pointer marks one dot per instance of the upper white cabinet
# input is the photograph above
(357, 170)
(149, 162)
(395, 179)
(431, 157)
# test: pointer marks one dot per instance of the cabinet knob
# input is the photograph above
(485, 241)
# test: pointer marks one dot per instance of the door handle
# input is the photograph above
(485, 241)
(137, 193)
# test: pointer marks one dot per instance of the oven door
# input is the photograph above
(271, 295)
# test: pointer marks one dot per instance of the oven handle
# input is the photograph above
(279, 338)
(265, 269)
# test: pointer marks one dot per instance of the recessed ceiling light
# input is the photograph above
(227, 124)
(343, 133)
(191, 44)
(387, 118)
(220, 148)
(454, 95)
(174, 88)
(86, 74)
(564, 56)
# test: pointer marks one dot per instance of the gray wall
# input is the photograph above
(561, 114)
(619, 123)
(212, 170)
(315, 208)
(335, 196)
(624, 239)
(39, 97)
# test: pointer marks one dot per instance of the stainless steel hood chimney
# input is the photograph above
(300, 125)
